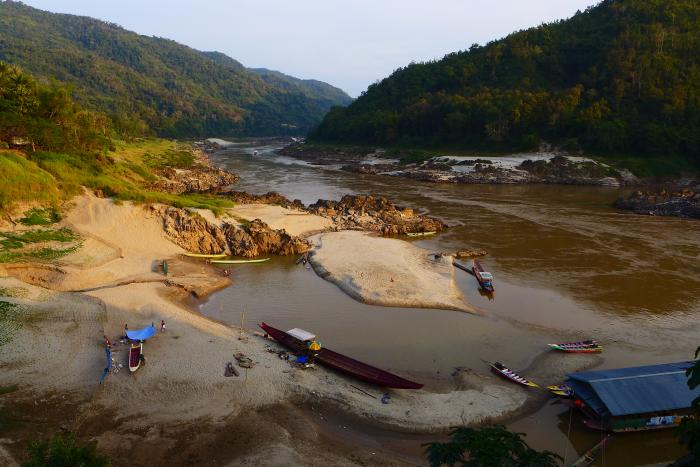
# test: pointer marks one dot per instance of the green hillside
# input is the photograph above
(148, 83)
(623, 77)
(312, 88)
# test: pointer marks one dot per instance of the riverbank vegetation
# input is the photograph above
(619, 78)
(53, 147)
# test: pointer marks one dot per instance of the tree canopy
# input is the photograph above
(490, 446)
(45, 116)
(620, 77)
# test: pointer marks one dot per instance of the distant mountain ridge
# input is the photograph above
(622, 77)
(158, 83)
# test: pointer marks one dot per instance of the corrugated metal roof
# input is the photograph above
(636, 390)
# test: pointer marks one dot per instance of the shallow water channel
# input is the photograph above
(566, 266)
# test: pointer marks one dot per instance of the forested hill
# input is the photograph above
(148, 83)
(314, 89)
(621, 77)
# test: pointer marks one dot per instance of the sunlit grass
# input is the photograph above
(123, 174)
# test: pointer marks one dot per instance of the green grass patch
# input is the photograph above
(8, 389)
(49, 254)
(13, 240)
(11, 316)
(38, 216)
(214, 203)
(172, 157)
(9, 256)
(13, 245)
(23, 180)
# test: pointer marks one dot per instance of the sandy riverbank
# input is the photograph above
(57, 355)
(386, 271)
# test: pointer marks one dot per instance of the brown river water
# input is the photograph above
(566, 265)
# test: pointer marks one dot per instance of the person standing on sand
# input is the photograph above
(162, 325)
(126, 328)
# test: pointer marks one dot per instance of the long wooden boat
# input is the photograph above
(206, 256)
(587, 346)
(135, 356)
(342, 363)
(485, 278)
(239, 261)
(420, 234)
(509, 374)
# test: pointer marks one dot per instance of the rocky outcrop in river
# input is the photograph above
(196, 180)
(195, 234)
(683, 203)
(541, 167)
(375, 213)
(201, 177)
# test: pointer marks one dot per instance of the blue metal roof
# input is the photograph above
(636, 390)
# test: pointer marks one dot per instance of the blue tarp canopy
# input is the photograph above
(141, 334)
(636, 390)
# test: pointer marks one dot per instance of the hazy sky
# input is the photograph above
(348, 43)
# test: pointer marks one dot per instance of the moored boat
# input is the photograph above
(239, 261)
(135, 356)
(296, 340)
(587, 346)
(507, 373)
(485, 278)
(420, 234)
(561, 390)
(205, 256)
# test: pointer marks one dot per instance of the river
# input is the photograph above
(566, 266)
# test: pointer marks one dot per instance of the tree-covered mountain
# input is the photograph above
(153, 83)
(326, 94)
(311, 87)
(621, 77)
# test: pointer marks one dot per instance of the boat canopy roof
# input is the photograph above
(301, 334)
(486, 275)
(635, 390)
(141, 334)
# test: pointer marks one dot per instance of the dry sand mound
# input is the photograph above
(385, 271)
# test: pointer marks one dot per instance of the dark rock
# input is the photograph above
(685, 203)
(191, 231)
(375, 213)
(257, 238)
(195, 180)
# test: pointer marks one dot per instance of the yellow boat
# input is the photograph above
(239, 261)
(203, 255)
